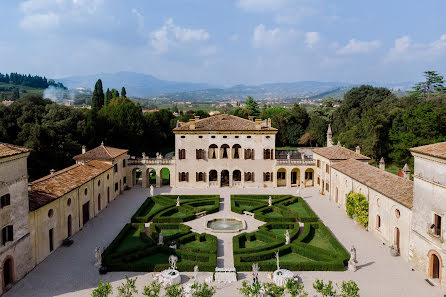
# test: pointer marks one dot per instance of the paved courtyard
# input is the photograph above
(69, 271)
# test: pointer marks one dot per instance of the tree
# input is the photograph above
(357, 207)
(15, 94)
(97, 100)
(295, 289)
(252, 106)
(434, 83)
(306, 139)
(326, 290)
(123, 92)
(152, 290)
(114, 93)
(174, 290)
(103, 290)
(108, 97)
(349, 289)
(128, 288)
(202, 290)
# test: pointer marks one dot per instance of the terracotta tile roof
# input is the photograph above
(101, 152)
(7, 150)
(390, 185)
(54, 186)
(223, 122)
(437, 150)
(337, 152)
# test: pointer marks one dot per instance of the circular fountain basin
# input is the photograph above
(225, 225)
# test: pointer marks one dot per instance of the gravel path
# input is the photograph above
(70, 271)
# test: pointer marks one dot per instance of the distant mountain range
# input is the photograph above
(148, 86)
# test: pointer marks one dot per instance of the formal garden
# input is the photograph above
(292, 237)
(156, 232)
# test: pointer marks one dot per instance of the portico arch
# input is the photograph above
(236, 151)
(165, 176)
(224, 151)
(213, 151)
(435, 265)
(151, 177)
(7, 272)
(281, 177)
(309, 177)
(295, 177)
(136, 176)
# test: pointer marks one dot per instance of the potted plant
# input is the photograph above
(394, 251)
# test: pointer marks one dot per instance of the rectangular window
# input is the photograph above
(318, 180)
(318, 163)
(51, 239)
(7, 234)
(115, 168)
(124, 163)
(327, 187)
(182, 154)
(327, 168)
(183, 176)
(437, 223)
(116, 187)
(125, 180)
(5, 200)
(378, 222)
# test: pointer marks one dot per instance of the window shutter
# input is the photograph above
(196, 176)
(271, 176)
(4, 236)
(253, 179)
(10, 233)
(246, 153)
(196, 154)
(184, 154)
(179, 176)
(264, 153)
(187, 176)
(272, 154)
(246, 176)
(252, 154)
(264, 176)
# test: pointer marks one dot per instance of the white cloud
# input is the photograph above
(39, 21)
(140, 19)
(263, 37)
(234, 37)
(311, 38)
(261, 5)
(171, 34)
(358, 47)
(208, 50)
(405, 49)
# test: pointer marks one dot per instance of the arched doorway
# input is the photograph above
(7, 273)
(435, 266)
(136, 176)
(295, 177)
(281, 177)
(165, 176)
(224, 151)
(69, 224)
(309, 177)
(151, 176)
(224, 179)
(397, 238)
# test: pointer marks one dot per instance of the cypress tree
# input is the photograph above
(114, 93)
(97, 100)
(123, 92)
(108, 97)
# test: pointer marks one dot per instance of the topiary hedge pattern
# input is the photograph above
(136, 247)
(312, 246)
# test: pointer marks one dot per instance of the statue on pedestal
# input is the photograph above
(161, 238)
(277, 260)
(98, 257)
(178, 201)
(352, 262)
(151, 190)
(287, 237)
(270, 201)
(255, 273)
(195, 272)
(173, 262)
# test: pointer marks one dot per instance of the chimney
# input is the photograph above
(192, 124)
(358, 149)
(269, 122)
(84, 149)
(406, 171)
(196, 118)
(52, 171)
(258, 124)
(102, 143)
(251, 118)
(382, 164)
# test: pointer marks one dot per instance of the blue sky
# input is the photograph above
(226, 42)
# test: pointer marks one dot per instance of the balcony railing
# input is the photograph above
(306, 162)
(151, 161)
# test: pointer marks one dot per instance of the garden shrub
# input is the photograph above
(357, 206)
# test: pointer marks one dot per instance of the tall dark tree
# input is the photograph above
(114, 93)
(108, 97)
(252, 106)
(97, 100)
(123, 92)
(434, 83)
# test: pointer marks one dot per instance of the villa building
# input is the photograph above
(214, 152)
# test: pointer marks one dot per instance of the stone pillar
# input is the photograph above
(302, 178)
(218, 179)
(158, 179)
(288, 178)
(230, 179)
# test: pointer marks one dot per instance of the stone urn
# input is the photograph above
(394, 251)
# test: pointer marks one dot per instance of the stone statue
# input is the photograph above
(161, 238)
(98, 257)
(353, 254)
(173, 262)
(255, 273)
(277, 260)
(270, 201)
(195, 272)
(157, 155)
(288, 156)
(178, 201)
(151, 190)
(143, 155)
(287, 237)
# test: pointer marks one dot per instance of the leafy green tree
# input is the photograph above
(326, 290)
(279, 119)
(434, 83)
(252, 290)
(349, 289)
(123, 92)
(242, 112)
(15, 94)
(271, 289)
(295, 289)
(357, 206)
(252, 106)
(174, 290)
(108, 97)
(202, 290)
(103, 290)
(152, 290)
(97, 100)
(128, 288)
(114, 93)
(296, 124)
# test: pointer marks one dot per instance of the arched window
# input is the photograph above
(378, 222)
(236, 151)
(237, 175)
(224, 150)
(212, 152)
(213, 175)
